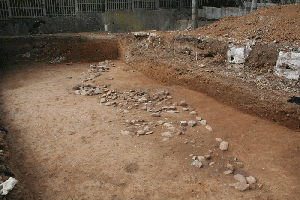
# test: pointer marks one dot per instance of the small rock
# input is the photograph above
(102, 100)
(197, 163)
(191, 123)
(167, 134)
(171, 128)
(173, 111)
(183, 123)
(179, 133)
(193, 113)
(207, 157)
(250, 180)
(169, 97)
(144, 107)
(191, 155)
(140, 132)
(211, 164)
(224, 146)
(77, 92)
(240, 178)
(182, 103)
(143, 100)
(125, 132)
(218, 139)
(98, 91)
(240, 164)
(168, 125)
(238, 171)
(229, 166)
(126, 111)
(198, 118)
(166, 139)
(108, 104)
(155, 115)
(201, 158)
(208, 127)
(147, 128)
(160, 122)
(149, 133)
(194, 157)
(240, 186)
(171, 108)
(228, 172)
(185, 109)
(203, 122)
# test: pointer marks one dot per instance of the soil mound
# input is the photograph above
(267, 24)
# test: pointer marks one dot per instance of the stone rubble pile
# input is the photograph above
(97, 70)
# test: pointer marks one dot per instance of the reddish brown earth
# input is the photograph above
(67, 146)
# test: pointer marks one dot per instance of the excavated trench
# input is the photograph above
(201, 64)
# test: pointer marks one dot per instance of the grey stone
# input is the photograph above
(191, 123)
(224, 146)
(250, 180)
(218, 139)
(197, 163)
(166, 139)
(167, 134)
(228, 172)
(183, 123)
(193, 113)
(183, 103)
(140, 132)
(155, 115)
(201, 158)
(147, 128)
(97, 91)
(203, 122)
(102, 100)
(108, 104)
(240, 186)
(208, 127)
(198, 118)
(240, 178)
(229, 166)
(149, 133)
(125, 132)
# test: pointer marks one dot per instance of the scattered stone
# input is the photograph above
(8, 185)
(143, 100)
(147, 128)
(228, 172)
(77, 92)
(198, 118)
(191, 123)
(125, 132)
(182, 103)
(126, 111)
(218, 139)
(224, 146)
(194, 157)
(149, 133)
(185, 109)
(207, 157)
(160, 122)
(240, 178)
(173, 111)
(166, 139)
(155, 114)
(208, 127)
(180, 133)
(102, 100)
(211, 164)
(169, 97)
(238, 171)
(203, 122)
(183, 123)
(140, 132)
(201, 158)
(108, 104)
(240, 164)
(98, 91)
(197, 163)
(191, 155)
(250, 180)
(193, 113)
(171, 108)
(144, 107)
(183, 128)
(168, 124)
(171, 128)
(229, 166)
(167, 134)
(240, 186)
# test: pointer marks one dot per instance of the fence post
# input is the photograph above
(105, 5)
(132, 5)
(44, 8)
(156, 4)
(9, 9)
(76, 7)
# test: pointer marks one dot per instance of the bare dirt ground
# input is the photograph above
(67, 146)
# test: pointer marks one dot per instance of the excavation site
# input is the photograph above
(209, 113)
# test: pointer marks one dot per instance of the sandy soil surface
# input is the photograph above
(68, 146)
